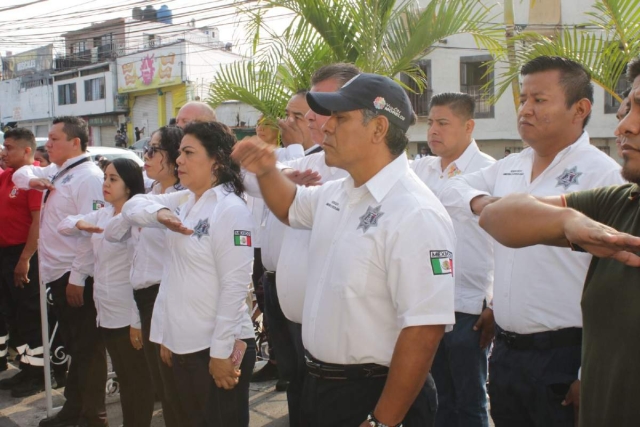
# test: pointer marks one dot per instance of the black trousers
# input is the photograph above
(527, 387)
(207, 405)
(20, 306)
(130, 365)
(286, 338)
(86, 381)
(258, 288)
(346, 403)
(161, 374)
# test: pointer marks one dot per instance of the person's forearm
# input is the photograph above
(410, 365)
(31, 246)
(521, 220)
(278, 193)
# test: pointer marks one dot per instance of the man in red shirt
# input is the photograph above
(19, 281)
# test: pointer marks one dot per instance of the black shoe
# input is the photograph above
(10, 383)
(269, 372)
(3, 364)
(282, 385)
(33, 385)
(58, 421)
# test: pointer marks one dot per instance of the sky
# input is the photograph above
(28, 24)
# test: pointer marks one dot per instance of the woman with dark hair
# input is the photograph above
(146, 269)
(42, 157)
(112, 290)
(207, 271)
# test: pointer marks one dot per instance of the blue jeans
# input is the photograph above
(460, 373)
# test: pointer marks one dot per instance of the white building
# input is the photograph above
(456, 65)
(26, 93)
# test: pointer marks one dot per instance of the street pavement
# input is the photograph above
(268, 407)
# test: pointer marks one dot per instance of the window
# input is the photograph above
(151, 40)
(473, 78)
(420, 101)
(94, 89)
(79, 46)
(67, 94)
(611, 104)
(605, 149)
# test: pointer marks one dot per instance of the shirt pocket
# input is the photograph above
(357, 267)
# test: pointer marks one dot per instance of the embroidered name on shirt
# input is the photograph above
(334, 205)
(97, 204)
(67, 179)
(516, 172)
(441, 262)
(370, 218)
(201, 228)
(568, 178)
(242, 238)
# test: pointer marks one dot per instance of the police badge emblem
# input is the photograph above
(568, 178)
(66, 179)
(201, 228)
(370, 218)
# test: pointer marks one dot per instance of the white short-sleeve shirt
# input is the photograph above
(474, 250)
(537, 288)
(380, 260)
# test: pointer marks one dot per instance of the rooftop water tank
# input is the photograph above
(149, 14)
(165, 15)
(136, 13)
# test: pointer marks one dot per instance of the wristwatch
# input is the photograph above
(373, 421)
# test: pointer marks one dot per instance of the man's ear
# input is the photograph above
(381, 128)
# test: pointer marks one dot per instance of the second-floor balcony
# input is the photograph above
(86, 57)
(78, 59)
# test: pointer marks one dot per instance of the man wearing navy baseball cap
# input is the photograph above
(380, 288)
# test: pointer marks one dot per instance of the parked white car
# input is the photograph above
(111, 153)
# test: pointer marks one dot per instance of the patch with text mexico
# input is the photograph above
(441, 262)
(242, 238)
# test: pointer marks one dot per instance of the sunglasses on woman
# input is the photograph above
(151, 150)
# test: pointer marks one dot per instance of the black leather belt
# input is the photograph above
(567, 337)
(331, 371)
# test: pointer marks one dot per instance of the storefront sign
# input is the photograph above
(151, 69)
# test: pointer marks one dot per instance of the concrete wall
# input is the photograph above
(233, 113)
(18, 104)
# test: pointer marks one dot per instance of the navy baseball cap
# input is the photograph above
(373, 92)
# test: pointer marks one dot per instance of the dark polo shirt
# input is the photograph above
(611, 316)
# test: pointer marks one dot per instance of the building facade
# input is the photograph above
(458, 65)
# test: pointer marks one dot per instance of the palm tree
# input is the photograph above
(603, 45)
(378, 36)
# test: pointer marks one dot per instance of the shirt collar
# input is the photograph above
(382, 182)
(581, 141)
(310, 149)
(73, 160)
(463, 161)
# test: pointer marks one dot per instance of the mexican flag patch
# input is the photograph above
(441, 262)
(242, 238)
(98, 204)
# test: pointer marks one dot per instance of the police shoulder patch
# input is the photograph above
(441, 262)
(241, 238)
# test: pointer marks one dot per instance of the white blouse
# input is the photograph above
(112, 291)
(207, 274)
